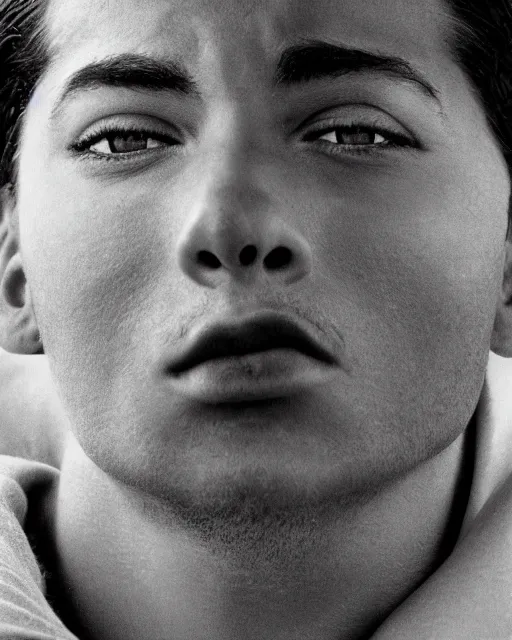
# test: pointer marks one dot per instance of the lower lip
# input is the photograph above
(257, 376)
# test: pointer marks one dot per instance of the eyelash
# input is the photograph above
(394, 141)
(82, 146)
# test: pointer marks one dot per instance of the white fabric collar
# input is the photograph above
(493, 453)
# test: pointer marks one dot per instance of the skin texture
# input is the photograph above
(345, 488)
(392, 287)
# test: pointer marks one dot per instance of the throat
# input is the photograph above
(125, 566)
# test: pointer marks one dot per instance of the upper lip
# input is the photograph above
(262, 333)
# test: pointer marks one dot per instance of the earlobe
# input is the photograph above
(501, 341)
(19, 332)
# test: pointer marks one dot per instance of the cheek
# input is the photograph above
(410, 273)
(94, 259)
(429, 243)
(412, 269)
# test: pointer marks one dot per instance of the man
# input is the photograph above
(264, 249)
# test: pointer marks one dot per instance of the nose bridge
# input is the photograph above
(236, 206)
(236, 227)
(231, 209)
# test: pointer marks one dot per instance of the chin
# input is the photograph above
(210, 486)
(295, 456)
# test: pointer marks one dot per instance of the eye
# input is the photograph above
(359, 137)
(354, 136)
(377, 135)
(122, 143)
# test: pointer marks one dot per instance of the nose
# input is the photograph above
(237, 230)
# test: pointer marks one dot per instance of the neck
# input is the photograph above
(130, 568)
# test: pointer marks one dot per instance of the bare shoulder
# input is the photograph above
(469, 595)
(32, 422)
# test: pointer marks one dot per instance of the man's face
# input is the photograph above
(388, 193)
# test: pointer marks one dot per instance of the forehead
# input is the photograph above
(245, 33)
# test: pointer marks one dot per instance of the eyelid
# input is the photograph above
(388, 132)
(124, 123)
(363, 114)
(400, 138)
(364, 121)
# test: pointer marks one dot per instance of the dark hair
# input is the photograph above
(23, 58)
(481, 42)
(483, 47)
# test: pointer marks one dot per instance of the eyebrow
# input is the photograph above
(318, 60)
(129, 70)
(299, 64)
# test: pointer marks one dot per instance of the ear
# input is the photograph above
(19, 332)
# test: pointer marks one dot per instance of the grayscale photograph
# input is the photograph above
(255, 320)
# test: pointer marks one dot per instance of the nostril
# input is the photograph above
(248, 255)
(208, 259)
(278, 258)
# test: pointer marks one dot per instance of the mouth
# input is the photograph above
(264, 356)
(266, 333)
